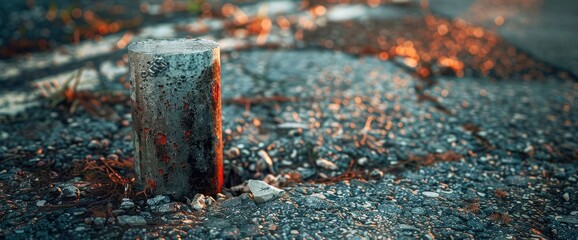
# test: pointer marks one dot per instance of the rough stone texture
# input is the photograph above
(176, 109)
(131, 220)
(126, 204)
(198, 202)
(158, 199)
(263, 192)
(70, 192)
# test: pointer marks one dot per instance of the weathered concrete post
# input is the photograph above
(176, 111)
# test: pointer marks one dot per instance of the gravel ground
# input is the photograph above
(498, 162)
(360, 144)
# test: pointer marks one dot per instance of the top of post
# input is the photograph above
(172, 46)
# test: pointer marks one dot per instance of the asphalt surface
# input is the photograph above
(364, 146)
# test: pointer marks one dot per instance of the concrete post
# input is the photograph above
(176, 111)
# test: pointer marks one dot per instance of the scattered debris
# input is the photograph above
(292, 125)
(263, 192)
(158, 199)
(430, 194)
(232, 153)
(198, 202)
(362, 161)
(70, 191)
(40, 203)
(210, 201)
(326, 164)
(376, 174)
(566, 197)
(221, 197)
(126, 204)
(265, 157)
(168, 208)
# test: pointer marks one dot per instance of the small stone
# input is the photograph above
(404, 227)
(105, 143)
(70, 191)
(362, 161)
(158, 200)
(131, 220)
(126, 204)
(168, 208)
(209, 200)
(79, 211)
(326, 164)
(265, 157)
(274, 181)
(233, 153)
(221, 197)
(198, 202)
(4, 135)
(88, 220)
(263, 192)
(294, 232)
(99, 221)
(566, 197)
(41, 203)
(94, 144)
(529, 149)
(430, 194)
(290, 125)
(376, 174)
(293, 154)
(306, 172)
(418, 210)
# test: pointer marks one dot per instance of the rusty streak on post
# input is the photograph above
(216, 90)
(176, 99)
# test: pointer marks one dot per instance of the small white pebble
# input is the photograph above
(326, 164)
(40, 203)
(431, 194)
(362, 161)
(566, 197)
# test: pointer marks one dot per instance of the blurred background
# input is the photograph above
(51, 33)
